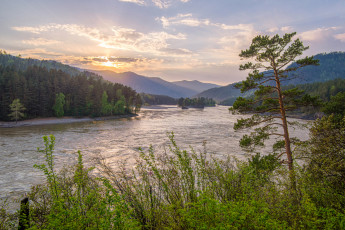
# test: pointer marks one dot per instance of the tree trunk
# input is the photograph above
(286, 133)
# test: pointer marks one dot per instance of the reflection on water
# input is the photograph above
(115, 140)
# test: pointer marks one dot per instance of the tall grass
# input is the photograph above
(180, 189)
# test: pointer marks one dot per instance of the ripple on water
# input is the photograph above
(115, 140)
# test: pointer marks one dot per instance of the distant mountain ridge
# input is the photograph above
(195, 85)
(155, 85)
(142, 84)
(332, 66)
(22, 64)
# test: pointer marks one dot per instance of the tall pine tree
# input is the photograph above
(272, 55)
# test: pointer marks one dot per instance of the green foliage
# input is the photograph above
(7, 220)
(272, 56)
(17, 109)
(74, 199)
(199, 102)
(323, 89)
(325, 154)
(106, 106)
(119, 107)
(59, 104)
(182, 189)
(138, 102)
(336, 105)
(150, 99)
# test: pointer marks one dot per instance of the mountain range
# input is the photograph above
(155, 85)
(332, 66)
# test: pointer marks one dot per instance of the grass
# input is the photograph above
(179, 189)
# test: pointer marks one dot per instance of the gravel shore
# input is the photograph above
(55, 120)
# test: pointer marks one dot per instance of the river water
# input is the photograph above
(116, 140)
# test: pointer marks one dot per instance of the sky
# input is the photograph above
(171, 39)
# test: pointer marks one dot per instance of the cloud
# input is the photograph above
(340, 37)
(128, 39)
(272, 30)
(317, 34)
(40, 42)
(286, 29)
(172, 51)
(139, 2)
(119, 64)
(224, 41)
(34, 30)
(189, 20)
(38, 53)
(182, 19)
(118, 38)
(126, 60)
(162, 4)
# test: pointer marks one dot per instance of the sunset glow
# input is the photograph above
(172, 39)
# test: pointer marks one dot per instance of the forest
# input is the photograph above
(41, 90)
(150, 99)
(199, 102)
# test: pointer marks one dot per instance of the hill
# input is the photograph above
(149, 99)
(142, 84)
(325, 90)
(21, 64)
(195, 85)
(332, 66)
(37, 85)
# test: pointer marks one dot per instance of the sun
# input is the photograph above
(109, 64)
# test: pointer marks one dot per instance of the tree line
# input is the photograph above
(198, 102)
(151, 99)
(46, 93)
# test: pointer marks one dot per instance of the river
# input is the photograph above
(116, 140)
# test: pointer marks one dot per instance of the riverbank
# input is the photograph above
(62, 120)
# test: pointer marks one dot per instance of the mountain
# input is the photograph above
(38, 88)
(195, 85)
(21, 64)
(221, 93)
(332, 66)
(147, 85)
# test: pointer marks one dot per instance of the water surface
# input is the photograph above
(116, 140)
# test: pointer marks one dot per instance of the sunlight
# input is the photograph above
(109, 64)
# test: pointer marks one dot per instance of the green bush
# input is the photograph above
(180, 189)
(74, 199)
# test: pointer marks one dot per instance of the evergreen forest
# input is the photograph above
(40, 89)
(198, 102)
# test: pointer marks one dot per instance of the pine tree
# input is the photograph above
(59, 103)
(16, 110)
(272, 57)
